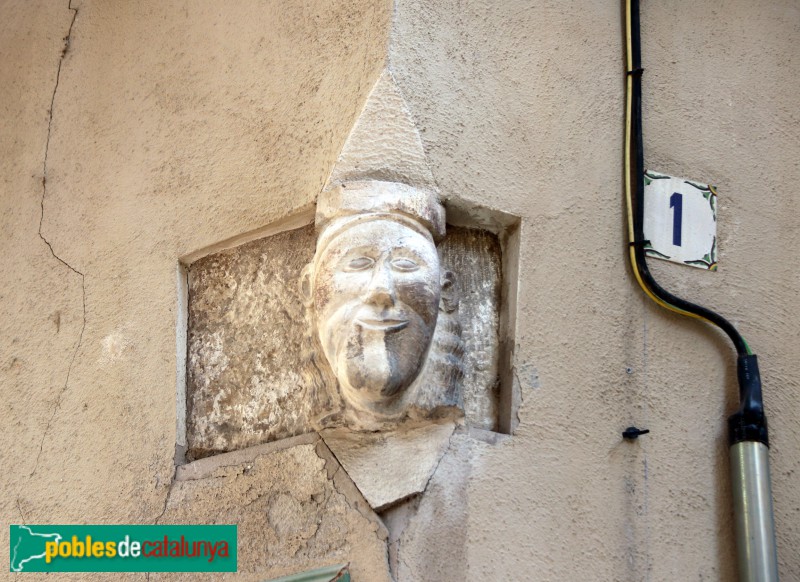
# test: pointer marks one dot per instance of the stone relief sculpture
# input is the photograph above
(373, 335)
(375, 290)
(368, 343)
(378, 318)
(376, 296)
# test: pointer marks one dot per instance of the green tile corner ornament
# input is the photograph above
(337, 573)
(680, 220)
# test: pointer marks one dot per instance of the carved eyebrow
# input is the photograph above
(361, 250)
(407, 250)
(393, 252)
(419, 259)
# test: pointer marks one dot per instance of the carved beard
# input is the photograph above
(379, 365)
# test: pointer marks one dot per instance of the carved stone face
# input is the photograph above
(376, 289)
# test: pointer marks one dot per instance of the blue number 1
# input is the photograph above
(676, 202)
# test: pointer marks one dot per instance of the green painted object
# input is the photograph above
(339, 573)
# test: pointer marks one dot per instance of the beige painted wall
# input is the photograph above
(176, 125)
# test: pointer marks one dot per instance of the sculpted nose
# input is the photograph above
(381, 287)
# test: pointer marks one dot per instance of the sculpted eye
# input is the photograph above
(403, 264)
(360, 264)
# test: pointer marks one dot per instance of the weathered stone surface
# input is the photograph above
(368, 154)
(247, 328)
(205, 467)
(374, 293)
(390, 466)
(475, 257)
(296, 510)
(375, 289)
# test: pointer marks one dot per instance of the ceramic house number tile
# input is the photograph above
(680, 220)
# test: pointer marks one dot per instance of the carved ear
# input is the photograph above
(305, 285)
(449, 292)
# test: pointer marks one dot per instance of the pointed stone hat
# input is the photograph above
(382, 169)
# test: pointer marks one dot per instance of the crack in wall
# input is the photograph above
(645, 511)
(520, 392)
(22, 515)
(339, 462)
(341, 484)
(397, 519)
(344, 495)
(332, 478)
(57, 404)
(439, 462)
(168, 495)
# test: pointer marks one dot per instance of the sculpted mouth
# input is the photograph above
(383, 324)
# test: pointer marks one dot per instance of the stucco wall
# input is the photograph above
(522, 106)
(178, 125)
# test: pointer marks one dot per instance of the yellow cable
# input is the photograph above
(628, 197)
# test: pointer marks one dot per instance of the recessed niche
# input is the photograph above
(247, 333)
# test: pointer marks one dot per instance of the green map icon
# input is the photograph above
(27, 546)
